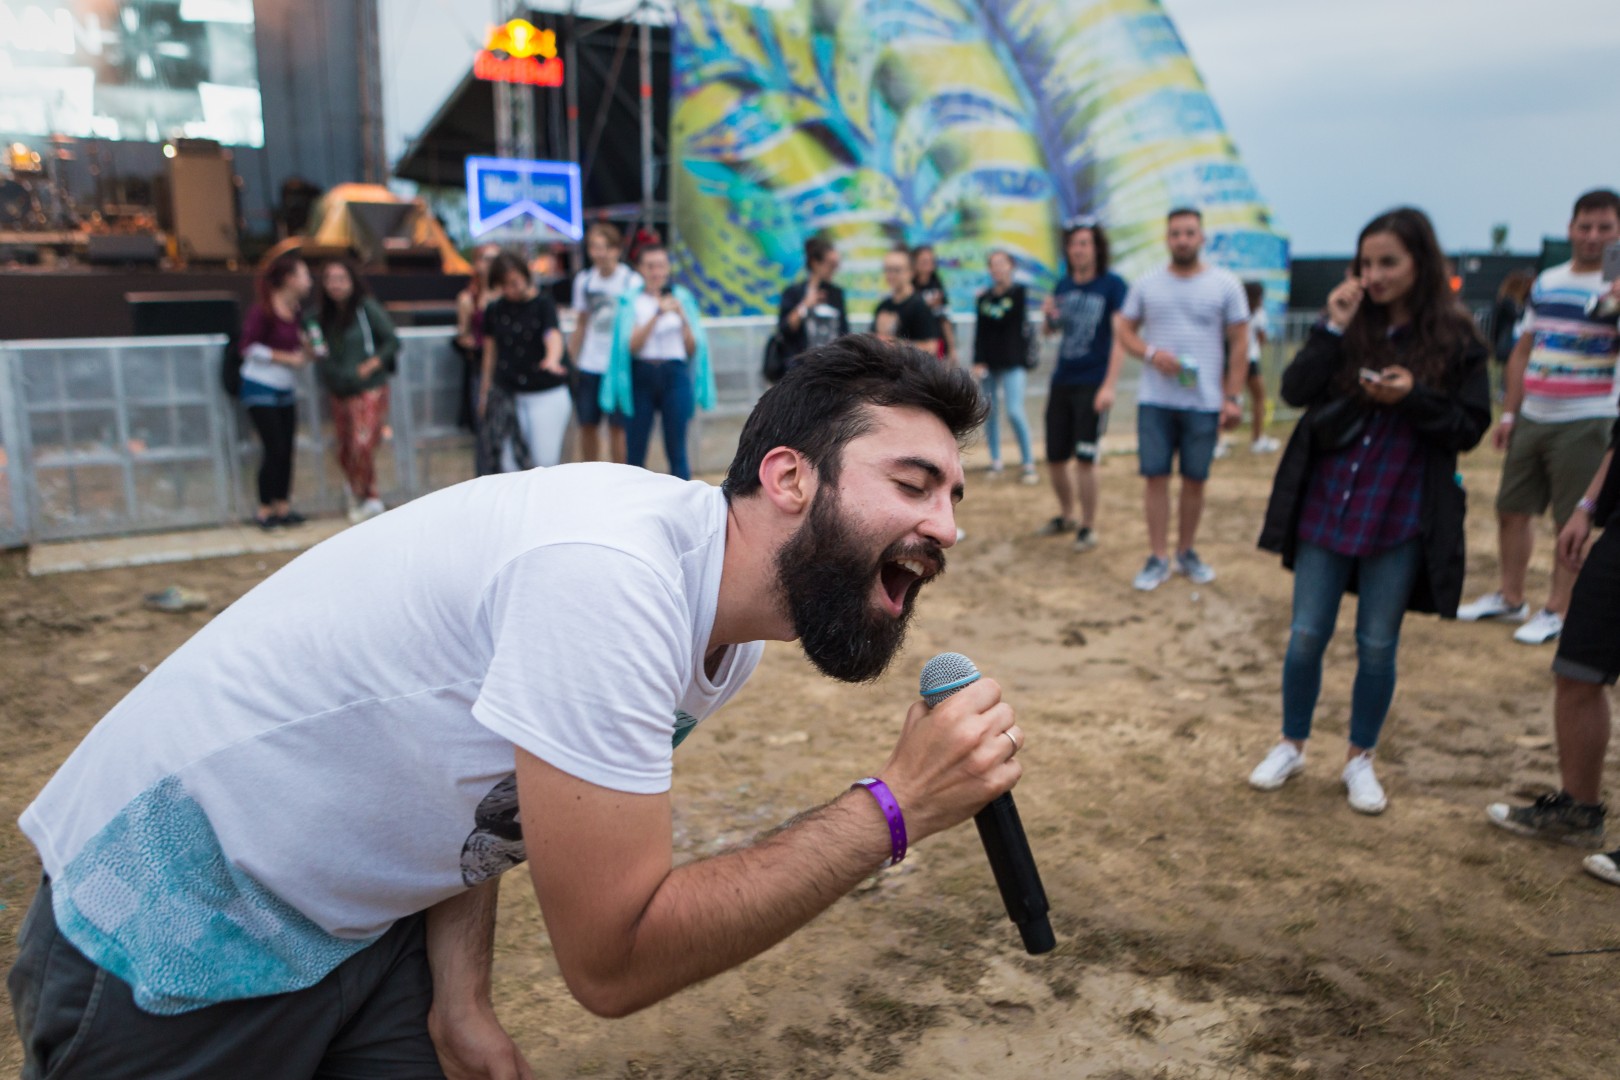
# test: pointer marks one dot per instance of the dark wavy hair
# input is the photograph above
(274, 274)
(1099, 241)
(1440, 326)
(825, 400)
(335, 317)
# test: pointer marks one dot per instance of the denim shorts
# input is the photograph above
(587, 390)
(1163, 434)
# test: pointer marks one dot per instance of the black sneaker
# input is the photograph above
(1058, 526)
(1552, 817)
(1085, 538)
(291, 518)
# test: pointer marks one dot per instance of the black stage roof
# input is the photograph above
(607, 70)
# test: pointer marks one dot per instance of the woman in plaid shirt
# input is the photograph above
(1366, 500)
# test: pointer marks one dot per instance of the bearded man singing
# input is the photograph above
(278, 855)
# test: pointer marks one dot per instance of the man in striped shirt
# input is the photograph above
(1557, 408)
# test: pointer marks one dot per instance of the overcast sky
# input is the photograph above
(1478, 111)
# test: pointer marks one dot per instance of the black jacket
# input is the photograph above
(1448, 422)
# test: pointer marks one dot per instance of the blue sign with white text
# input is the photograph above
(502, 190)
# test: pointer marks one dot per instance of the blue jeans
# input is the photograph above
(1384, 584)
(662, 389)
(1008, 386)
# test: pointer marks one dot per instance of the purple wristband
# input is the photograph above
(891, 810)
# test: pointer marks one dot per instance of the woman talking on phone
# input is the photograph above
(1394, 384)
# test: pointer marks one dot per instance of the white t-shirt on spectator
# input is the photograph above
(1188, 317)
(665, 341)
(596, 299)
(334, 751)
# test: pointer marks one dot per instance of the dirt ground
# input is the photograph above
(1205, 930)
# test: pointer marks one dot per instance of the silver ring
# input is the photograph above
(1014, 740)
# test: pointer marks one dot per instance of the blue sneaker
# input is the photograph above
(1153, 574)
(1197, 570)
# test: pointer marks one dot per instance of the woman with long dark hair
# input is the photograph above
(361, 347)
(523, 404)
(273, 348)
(469, 341)
(1395, 386)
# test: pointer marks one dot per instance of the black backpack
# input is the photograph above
(775, 364)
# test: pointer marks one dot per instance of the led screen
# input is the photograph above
(139, 70)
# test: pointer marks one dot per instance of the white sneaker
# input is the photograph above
(372, 507)
(1029, 477)
(1605, 866)
(960, 535)
(1223, 447)
(1282, 761)
(1493, 606)
(1543, 627)
(1366, 793)
(1265, 444)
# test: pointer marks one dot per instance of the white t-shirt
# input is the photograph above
(665, 341)
(1257, 326)
(596, 299)
(334, 751)
(1186, 316)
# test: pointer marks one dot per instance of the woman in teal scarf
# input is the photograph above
(660, 363)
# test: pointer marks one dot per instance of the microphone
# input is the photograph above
(1000, 829)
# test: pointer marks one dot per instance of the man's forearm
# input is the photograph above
(461, 945)
(708, 916)
(1237, 359)
(1126, 334)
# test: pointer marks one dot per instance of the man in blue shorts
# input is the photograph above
(1188, 322)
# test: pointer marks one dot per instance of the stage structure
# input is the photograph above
(971, 125)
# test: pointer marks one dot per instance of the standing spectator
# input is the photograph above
(1558, 403)
(596, 299)
(1082, 308)
(1587, 664)
(1259, 337)
(1188, 322)
(1000, 347)
(660, 365)
(929, 286)
(524, 407)
(1512, 297)
(812, 311)
(361, 348)
(1395, 384)
(273, 349)
(469, 340)
(903, 315)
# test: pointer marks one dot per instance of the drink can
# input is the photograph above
(1188, 375)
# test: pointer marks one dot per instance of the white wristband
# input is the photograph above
(1507, 418)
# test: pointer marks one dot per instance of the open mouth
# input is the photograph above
(898, 579)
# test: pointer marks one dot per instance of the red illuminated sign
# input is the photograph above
(520, 52)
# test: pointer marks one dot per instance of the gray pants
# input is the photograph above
(367, 1020)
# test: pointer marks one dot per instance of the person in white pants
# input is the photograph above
(524, 405)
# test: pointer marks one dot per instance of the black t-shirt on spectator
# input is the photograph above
(998, 341)
(908, 320)
(519, 333)
(826, 322)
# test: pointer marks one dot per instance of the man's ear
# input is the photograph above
(787, 480)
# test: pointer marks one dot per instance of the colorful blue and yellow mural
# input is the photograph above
(968, 124)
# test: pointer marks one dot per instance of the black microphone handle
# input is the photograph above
(1005, 845)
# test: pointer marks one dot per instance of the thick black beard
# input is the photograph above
(826, 572)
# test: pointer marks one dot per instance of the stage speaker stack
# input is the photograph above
(202, 190)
